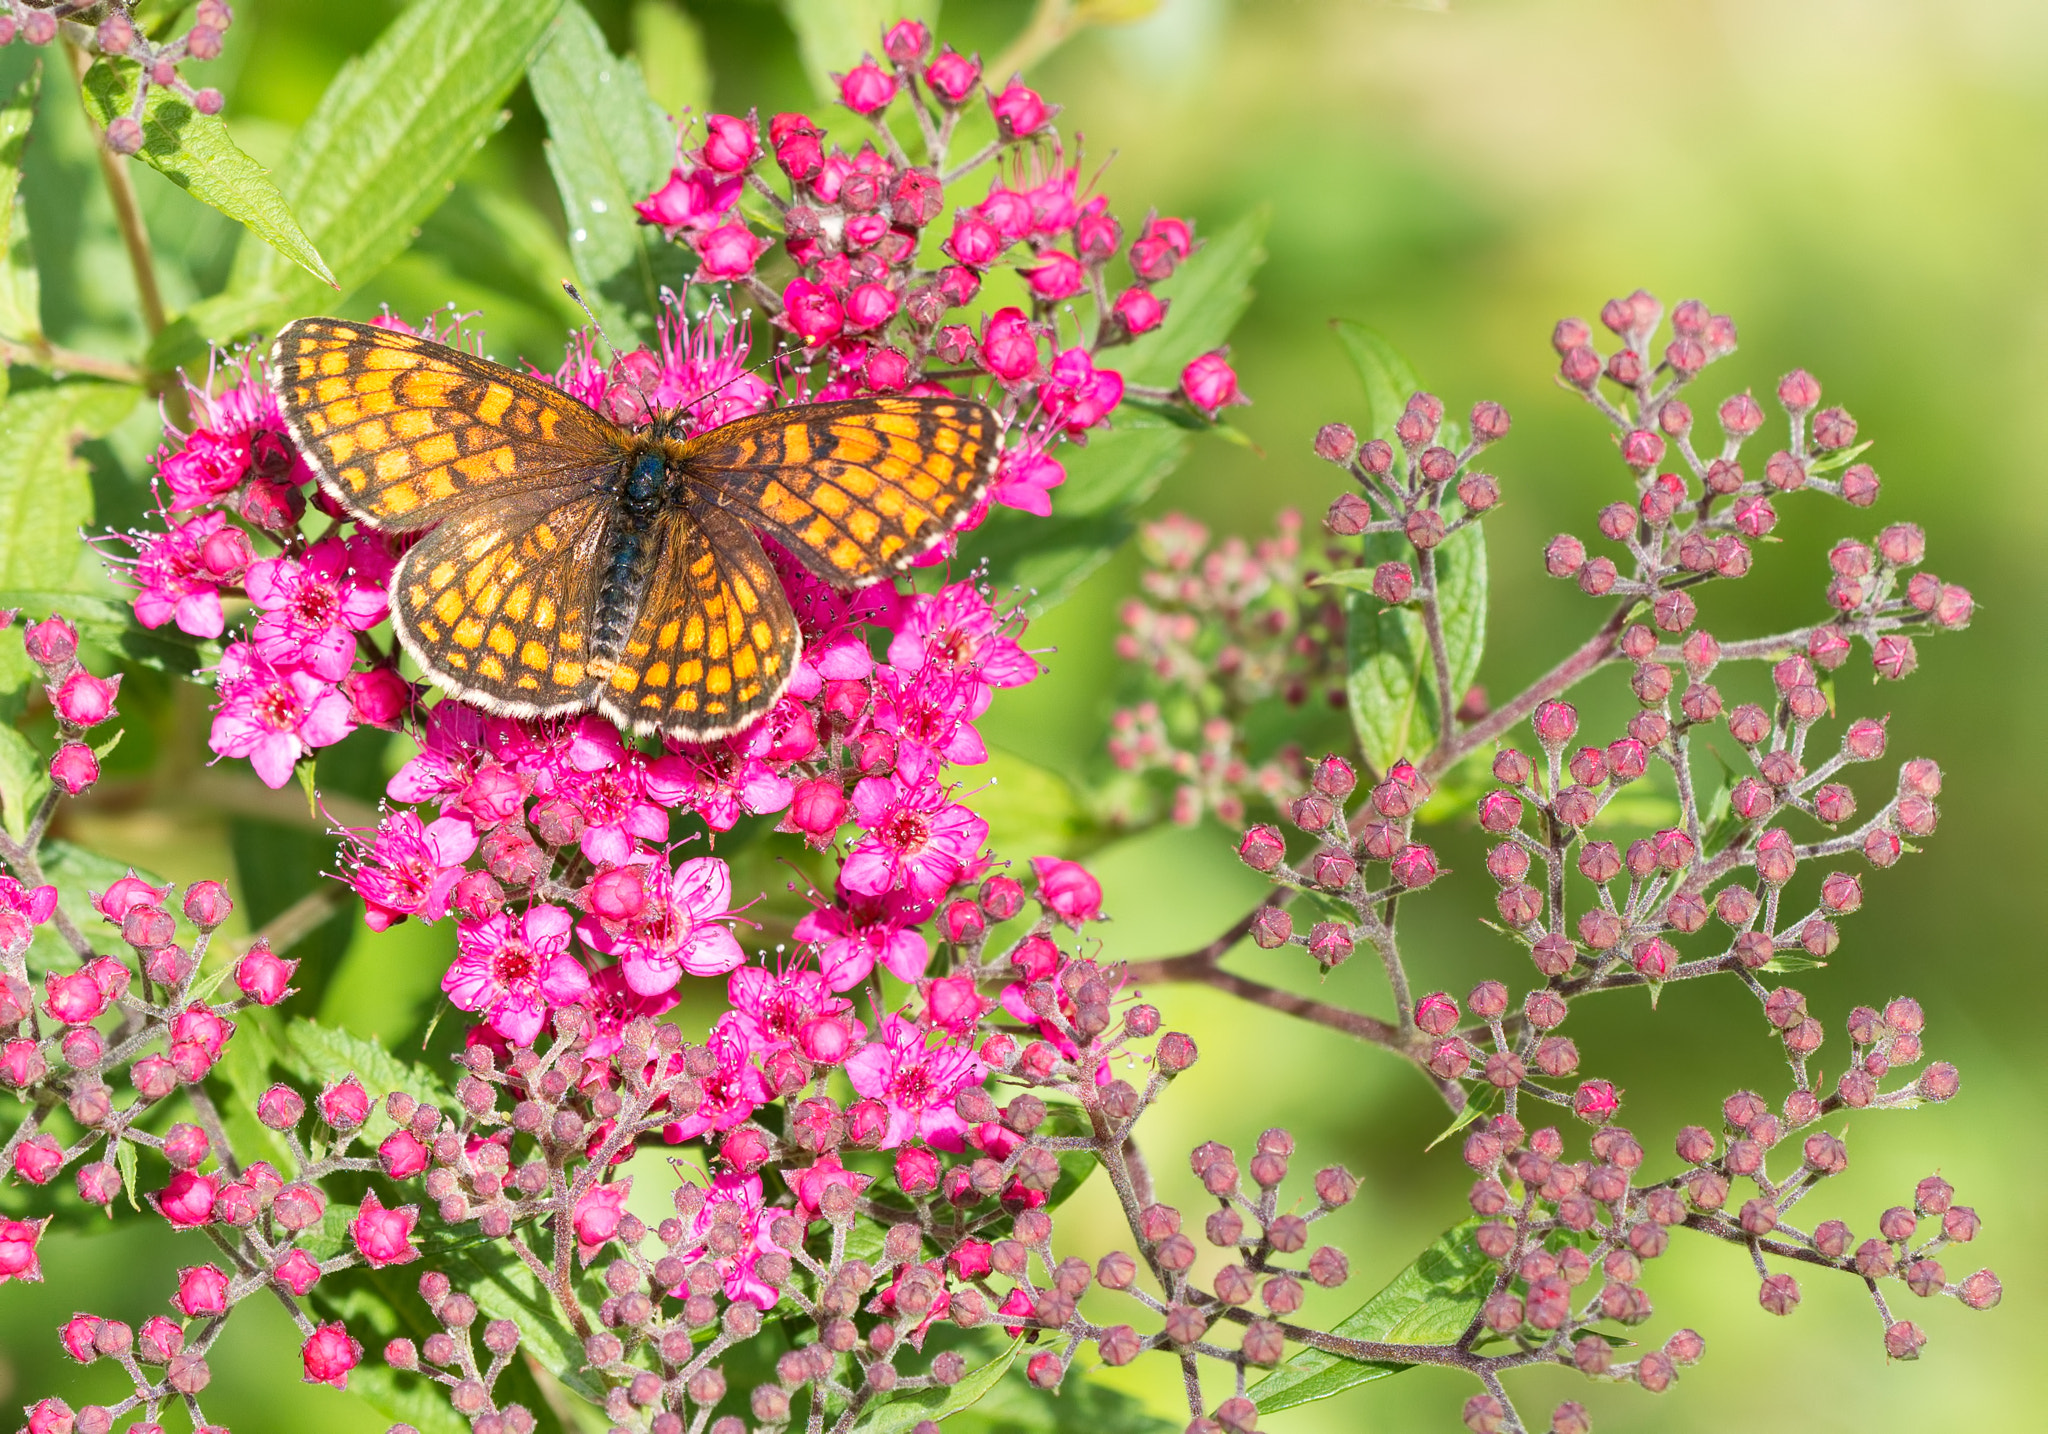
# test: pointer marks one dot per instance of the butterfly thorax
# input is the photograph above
(644, 490)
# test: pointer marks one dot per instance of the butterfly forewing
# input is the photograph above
(854, 490)
(405, 431)
(715, 641)
(496, 602)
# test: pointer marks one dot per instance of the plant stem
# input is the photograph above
(127, 212)
(1433, 629)
(1596, 650)
(47, 355)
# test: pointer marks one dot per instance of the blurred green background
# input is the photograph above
(1860, 183)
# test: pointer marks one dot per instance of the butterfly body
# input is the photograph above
(572, 564)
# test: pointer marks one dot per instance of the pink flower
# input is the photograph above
(1019, 110)
(1078, 395)
(205, 467)
(596, 1216)
(298, 1271)
(409, 867)
(18, 1250)
(202, 1290)
(178, 574)
(722, 780)
(732, 1092)
(74, 767)
(384, 1237)
(1067, 890)
(513, 975)
(728, 252)
(958, 631)
(744, 1193)
(1210, 383)
(854, 938)
(313, 607)
(1009, 348)
(187, 1201)
(680, 930)
(329, 1354)
(613, 1004)
(402, 1155)
(771, 1012)
(916, 841)
(605, 783)
(378, 697)
(927, 714)
(273, 717)
(866, 88)
(916, 1074)
(697, 200)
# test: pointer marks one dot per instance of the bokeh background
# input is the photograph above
(1861, 183)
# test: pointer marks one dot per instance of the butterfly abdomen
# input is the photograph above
(643, 478)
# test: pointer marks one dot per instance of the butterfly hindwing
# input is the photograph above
(496, 603)
(853, 490)
(405, 431)
(714, 643)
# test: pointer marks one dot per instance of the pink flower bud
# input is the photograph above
(727, 251)
(826, 1040)
(187, 1201)
(1067, 890)
(818, 808)
(1141, 311)
(1555, 723)
(186, 1146)
(1596, 1101)
(207, 904)
(597, 1214)
(263, 975)
(74, 767)
(202, 1290)
(917, 1170)
(1057, 275)
(811, 311)
(377, 697)
(51, 644)
(1002, 897)
(38, 1158)
(329, 1353)
(83, 700)
(1210, 383)
(618, 894)
(1009, 347)
(744, 1149)
(74, 997)
(345, 1105)
(1019, 111)
(731, 144)
(867, 88)
(384, 1237)
(953, 76)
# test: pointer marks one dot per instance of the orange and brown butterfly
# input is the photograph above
(575, 564)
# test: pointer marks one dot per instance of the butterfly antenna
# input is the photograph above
(568, 287)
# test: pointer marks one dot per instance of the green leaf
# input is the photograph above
(1392, 681)
(125, 1160)
(901, 1415)
(1208, 295)
(378, 154)
(195, 152)
(1431, 1302)
(45, 491)
(320, 1054)
(1093, 513)
(21, 309)
(1387, 378)
(504, 1288)
(832, 35)
(1031, 810)
(1356, 579)
(609, 146)
(24, 778)
(670, 48)
(1840, 458)
(1479, 1102)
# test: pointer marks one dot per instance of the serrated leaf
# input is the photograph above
(832, 35)
(1430, 1302)
(609, 146)
(45, 491)
(900, 1415)
(1208, 294)
(504, 1288)
(1479, 1102)
(196, 153)
(669, 47)
(319, 1054)
(24, 779)
(377, 155)
(21, 312)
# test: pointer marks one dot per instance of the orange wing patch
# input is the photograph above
(404, 430)
(854, 490)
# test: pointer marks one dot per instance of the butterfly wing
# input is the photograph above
(714, 643)
(854, 490)
(405, 431)
(496, 603)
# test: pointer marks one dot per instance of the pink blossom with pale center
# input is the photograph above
(916, 1074)
(681, 930)
(273, 716)
(408, 867)
(513, 974)
(916, 840)
(178, 573)
(855, 936)
(313, 607)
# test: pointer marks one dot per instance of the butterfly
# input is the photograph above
(572, 564)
